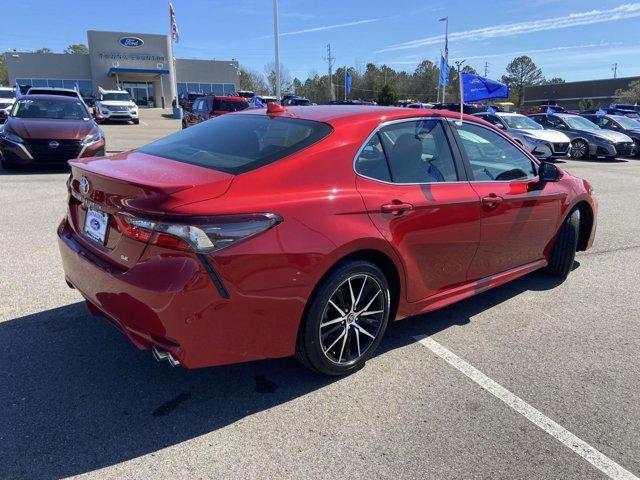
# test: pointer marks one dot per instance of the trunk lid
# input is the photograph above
(139, 184)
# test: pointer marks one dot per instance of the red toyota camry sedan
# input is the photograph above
(305, 231)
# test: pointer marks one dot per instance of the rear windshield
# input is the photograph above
(230, 105)
(62, 93)
(239, 143)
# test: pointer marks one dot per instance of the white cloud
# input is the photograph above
(622, 12)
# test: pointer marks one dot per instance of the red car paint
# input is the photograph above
(456, 240)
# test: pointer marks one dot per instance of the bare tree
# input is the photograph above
(285, 79)
(254, 81)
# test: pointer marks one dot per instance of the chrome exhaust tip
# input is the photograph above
(161, 355)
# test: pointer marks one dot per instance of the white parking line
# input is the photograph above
(586, 451)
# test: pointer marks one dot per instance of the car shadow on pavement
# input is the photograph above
(75, 396)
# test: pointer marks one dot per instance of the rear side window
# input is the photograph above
(239, 143)
(371, 162)
(408, 152)
(418, 152)
(229, 105)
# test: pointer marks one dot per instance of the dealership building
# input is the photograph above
(137, 62)
(601, 93)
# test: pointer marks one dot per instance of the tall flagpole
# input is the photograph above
(276, 37)
(446, 52)
(173, 86)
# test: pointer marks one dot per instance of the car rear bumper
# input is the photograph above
(171, 301)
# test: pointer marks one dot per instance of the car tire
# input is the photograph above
(564, 249)
(579, 150)
(136, 121)
(337, 337)
(637, 147)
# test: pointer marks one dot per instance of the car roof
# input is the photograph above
(339, 114)
(114, 91)
(231, 98)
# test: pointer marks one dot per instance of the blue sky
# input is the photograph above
(576, 40)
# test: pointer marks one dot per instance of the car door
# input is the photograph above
(519, 215)
(415, 191)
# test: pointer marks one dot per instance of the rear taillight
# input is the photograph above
(202, 235)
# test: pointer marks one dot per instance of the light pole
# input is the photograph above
(276, 37)
(459, 65)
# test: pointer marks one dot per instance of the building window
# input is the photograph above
(193, 87)
(182, 88)
(229, 88)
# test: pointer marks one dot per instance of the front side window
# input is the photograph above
(239, 143)
(492, 157)
(579, 123)
(418, 152)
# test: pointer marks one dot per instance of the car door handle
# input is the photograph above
(491, 201)
(396, 207)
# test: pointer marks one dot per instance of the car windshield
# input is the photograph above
(238, 143)
(121, 97)
(520, 122)
(628, 123)
(7, 94)
(579, 123)
(50, 109)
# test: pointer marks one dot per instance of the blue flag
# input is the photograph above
(601, 112)
(477, 88)
(491, 109)
(444, 72)
(347, 82)
(257, 103)
(551, 111)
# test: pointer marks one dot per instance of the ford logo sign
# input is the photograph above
(133, 42)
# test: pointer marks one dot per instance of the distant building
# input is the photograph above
(600, 92)
(137, 62)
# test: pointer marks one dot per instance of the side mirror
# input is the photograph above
(500, 126)
(548, 172)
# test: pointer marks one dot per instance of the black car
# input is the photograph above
(296, 100)
(618, 123)
(587, 139)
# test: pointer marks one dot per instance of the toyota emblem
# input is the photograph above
(84, 185)
(54, 144)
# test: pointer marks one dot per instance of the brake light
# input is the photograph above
(201, 234)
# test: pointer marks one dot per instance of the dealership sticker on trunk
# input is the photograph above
(95, 225)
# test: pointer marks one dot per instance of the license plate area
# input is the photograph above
(96, 224)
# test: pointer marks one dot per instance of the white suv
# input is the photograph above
(115, 105)
(7, 98)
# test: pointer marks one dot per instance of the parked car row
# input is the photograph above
(559, 134)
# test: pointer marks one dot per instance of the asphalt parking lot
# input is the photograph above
(78, 400)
